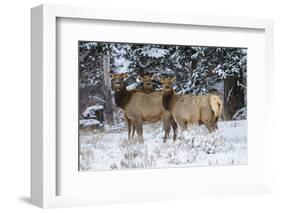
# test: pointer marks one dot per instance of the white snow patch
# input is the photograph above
(121, 64)
(90, 111)
(154, 52)
(132, 86)
(90, 122)
(195, 147)
(219, 86)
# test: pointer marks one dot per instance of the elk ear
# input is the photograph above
(125, 75)
(174, 79)
(112, 75)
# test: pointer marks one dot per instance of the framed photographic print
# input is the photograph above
(130, 106)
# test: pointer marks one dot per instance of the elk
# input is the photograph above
(147, 81)
(190, 109)
(139, 106)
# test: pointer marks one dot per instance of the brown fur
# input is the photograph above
(139, 106)
(189, 109)
(147, 81)
(168, 92)
(166, 99)
(122, 98)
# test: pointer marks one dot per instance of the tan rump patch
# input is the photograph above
(216, 104)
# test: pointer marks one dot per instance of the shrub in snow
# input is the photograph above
(90, 145)
(90, 112)
(135, 155)
(91, 117)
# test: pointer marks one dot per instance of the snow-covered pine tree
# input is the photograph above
(234, 72)
(92, 88)
(150, 59)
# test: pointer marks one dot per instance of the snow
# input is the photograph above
(220, 72)
(132, 86)
(89, 45)
(195, 55)
(95, 108)
(90, 111)
(219, 86)
(195, 147)
(90, 122)
(153, 52)
(121, 65)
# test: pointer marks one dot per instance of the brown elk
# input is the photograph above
(189, 109)
(139, 106)
(147, 80)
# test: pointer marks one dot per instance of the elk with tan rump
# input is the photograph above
(191, 109)
(139, 106)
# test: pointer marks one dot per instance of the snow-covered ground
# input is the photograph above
(195, 147)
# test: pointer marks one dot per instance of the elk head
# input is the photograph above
(118, 81)
(147, 81)
(167, 83)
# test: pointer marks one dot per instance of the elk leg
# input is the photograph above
(133, 129)
(216, 126)
(167, 128)
(211, 126)
(174, 126)
(207, 117)
(181, 123)
(168, 122)
(128, 122)
(139, 127)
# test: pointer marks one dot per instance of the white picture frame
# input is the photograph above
(44, 169)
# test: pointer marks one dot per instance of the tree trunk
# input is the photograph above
(108, 109)
(233, 97)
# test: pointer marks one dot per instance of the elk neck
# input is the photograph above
(167, 98)
(122, 97)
